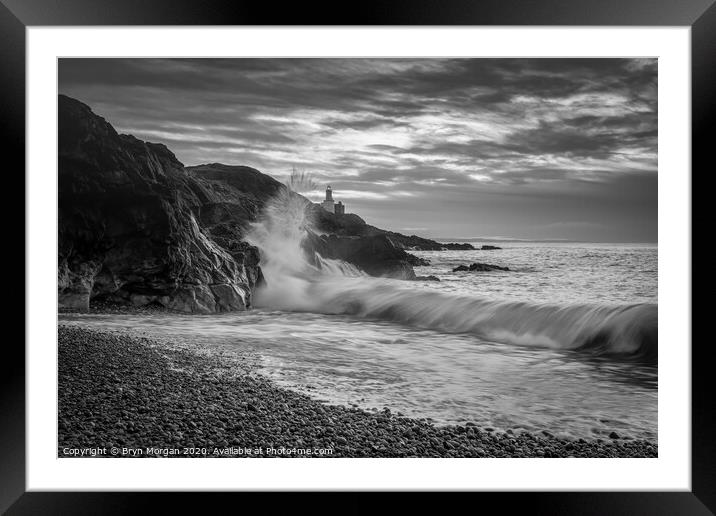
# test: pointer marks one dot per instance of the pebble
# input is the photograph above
(184, 398)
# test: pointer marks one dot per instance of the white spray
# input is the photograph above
(298, 282)
(280, 233)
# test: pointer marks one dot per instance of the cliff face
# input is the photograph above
(129, 228)
(137, 227)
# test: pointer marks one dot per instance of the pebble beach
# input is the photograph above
(123, 394)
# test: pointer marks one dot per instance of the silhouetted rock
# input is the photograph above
(458, 247)
(350, 224)
(489, 248)
(414, 242)
(427, 278)
(347, 224)
(377, 255)
(479, 267)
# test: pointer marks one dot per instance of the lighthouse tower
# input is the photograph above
(328, 203)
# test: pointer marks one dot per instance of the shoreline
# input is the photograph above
(122, 390)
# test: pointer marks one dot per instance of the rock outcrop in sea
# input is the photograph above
(427, 278)
(479, 267)
(377, 254)
(454, 246)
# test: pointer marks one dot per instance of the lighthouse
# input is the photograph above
(328, 203)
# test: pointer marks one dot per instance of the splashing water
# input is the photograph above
(280, 235)
(467, 348)
(299, 281)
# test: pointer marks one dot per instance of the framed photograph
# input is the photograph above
(414, 249)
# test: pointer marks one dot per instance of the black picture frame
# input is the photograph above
(17, 15)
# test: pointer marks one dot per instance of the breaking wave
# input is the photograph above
(298, 280)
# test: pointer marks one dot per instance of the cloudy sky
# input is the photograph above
(461, 148)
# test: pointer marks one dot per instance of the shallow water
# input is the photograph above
(565, 341)
(450, 377)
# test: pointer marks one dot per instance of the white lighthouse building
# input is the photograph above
(330, 205)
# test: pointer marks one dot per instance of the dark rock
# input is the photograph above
(458, 247)
(479, 267)
(351, 224)
(414, 242)
(427, 278)
(377, 255)
(130, 228)
(614, 435)
(417, 261)
(489, 248)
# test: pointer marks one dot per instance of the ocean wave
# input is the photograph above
(622, 332)
(297, 282)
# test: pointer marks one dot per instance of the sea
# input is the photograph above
(564, 342)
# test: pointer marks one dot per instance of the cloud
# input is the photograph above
(397, 130)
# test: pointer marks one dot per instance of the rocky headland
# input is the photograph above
(137, 227)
